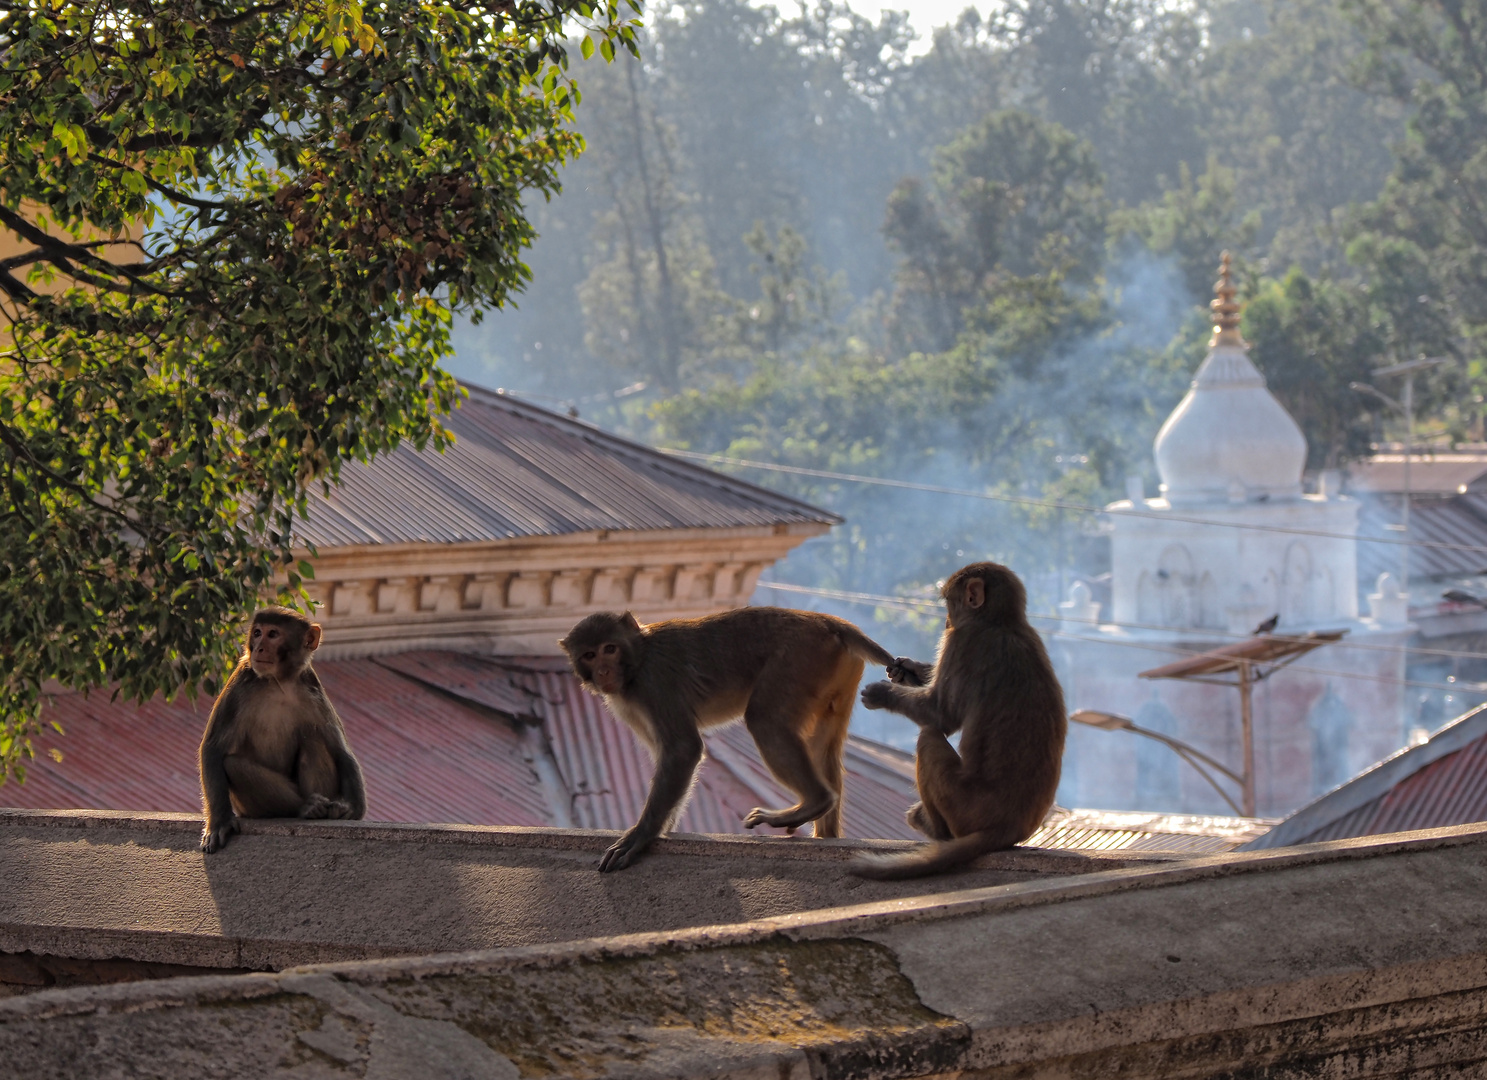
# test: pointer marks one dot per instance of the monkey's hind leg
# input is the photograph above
(258, 791)
(778, 712)
(923, 819)
(828, 739)
(319, 783)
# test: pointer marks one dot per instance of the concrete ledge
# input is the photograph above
(1354, 958)
(113, 886)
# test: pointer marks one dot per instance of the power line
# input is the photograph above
(1053, 504)
(923, 605)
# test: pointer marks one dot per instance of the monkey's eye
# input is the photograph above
(610, 649)
(586, 657)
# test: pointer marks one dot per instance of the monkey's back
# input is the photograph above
(1012, 710)
(750, 637)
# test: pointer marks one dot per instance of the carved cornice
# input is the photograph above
(518, 597)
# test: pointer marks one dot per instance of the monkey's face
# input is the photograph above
(603, 649)
(606, 667)
(278, 650)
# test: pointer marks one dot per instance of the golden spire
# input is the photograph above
(1225, 310)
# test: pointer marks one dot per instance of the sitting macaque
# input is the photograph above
(791, 675)
(992, 681)
(274, 746)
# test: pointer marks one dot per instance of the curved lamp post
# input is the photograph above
(1196, 758)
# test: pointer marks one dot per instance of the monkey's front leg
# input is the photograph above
(220, 821)
(679, 758)
(906, 672)
(914, 702)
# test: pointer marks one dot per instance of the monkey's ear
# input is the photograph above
(975, 592)
(312, 637)
(631, 622)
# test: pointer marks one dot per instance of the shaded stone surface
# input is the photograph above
(102, 885)
(1348, 959)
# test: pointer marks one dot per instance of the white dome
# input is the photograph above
(1229, 438)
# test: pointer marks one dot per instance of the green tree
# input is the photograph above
(1312, 338)
(244, 228)
(1012, 198)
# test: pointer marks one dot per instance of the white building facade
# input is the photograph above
(1230, 541)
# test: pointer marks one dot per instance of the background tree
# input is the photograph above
(307, 192)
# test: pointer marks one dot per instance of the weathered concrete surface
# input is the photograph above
(1349, 959)
(110, 886)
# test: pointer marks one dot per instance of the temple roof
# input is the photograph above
(1229, 438)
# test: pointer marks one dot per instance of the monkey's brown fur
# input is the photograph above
(274, 746)
(791, 675)
(991, 681)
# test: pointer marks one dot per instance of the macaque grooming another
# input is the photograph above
(992, 682)
(791, 675)
(274, 746)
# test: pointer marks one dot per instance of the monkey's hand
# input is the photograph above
(878, 695)
(318, 806)
(216, 839)
(909, 672)
(625, 850)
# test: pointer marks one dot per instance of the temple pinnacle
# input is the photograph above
(1225, 310)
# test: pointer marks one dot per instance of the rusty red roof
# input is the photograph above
(518, 470)
(447, 737)
(1441, 782)
(450, 737)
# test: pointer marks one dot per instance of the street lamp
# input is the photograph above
(1407, 407)
(1107, 721)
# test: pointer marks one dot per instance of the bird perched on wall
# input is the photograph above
(1457, 596)
(1268, 625)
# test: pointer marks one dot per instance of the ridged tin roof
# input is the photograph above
(1439, 783)
(1459, 520)
(438, 737)
(435, 735)
(517, 470)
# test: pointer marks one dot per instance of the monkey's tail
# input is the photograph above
(934, 858)
(859, 644)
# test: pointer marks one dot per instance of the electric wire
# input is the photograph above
(909, 603)
(1054, 504)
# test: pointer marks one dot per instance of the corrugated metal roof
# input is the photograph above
(1176, 834)
(438, 739)
(1441, 782)
(1459, 520)
(517, 470)
(432, 754)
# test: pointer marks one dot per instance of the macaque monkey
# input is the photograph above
(991, 681)
(791, 675)
(274, 746)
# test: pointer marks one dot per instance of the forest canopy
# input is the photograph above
(803, 237)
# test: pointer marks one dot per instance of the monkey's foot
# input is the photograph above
(921, 820)
(789, 820)
(624, 851)
(318, 806)
(216, 839)
(338, 809)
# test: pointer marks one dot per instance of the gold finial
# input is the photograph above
(1225, 310)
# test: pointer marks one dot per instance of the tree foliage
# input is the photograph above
(243, 228)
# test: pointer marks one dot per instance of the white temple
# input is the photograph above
(1230, 541)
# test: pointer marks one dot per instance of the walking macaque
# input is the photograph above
(791, 675)
(991, 681)
(274, 746)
